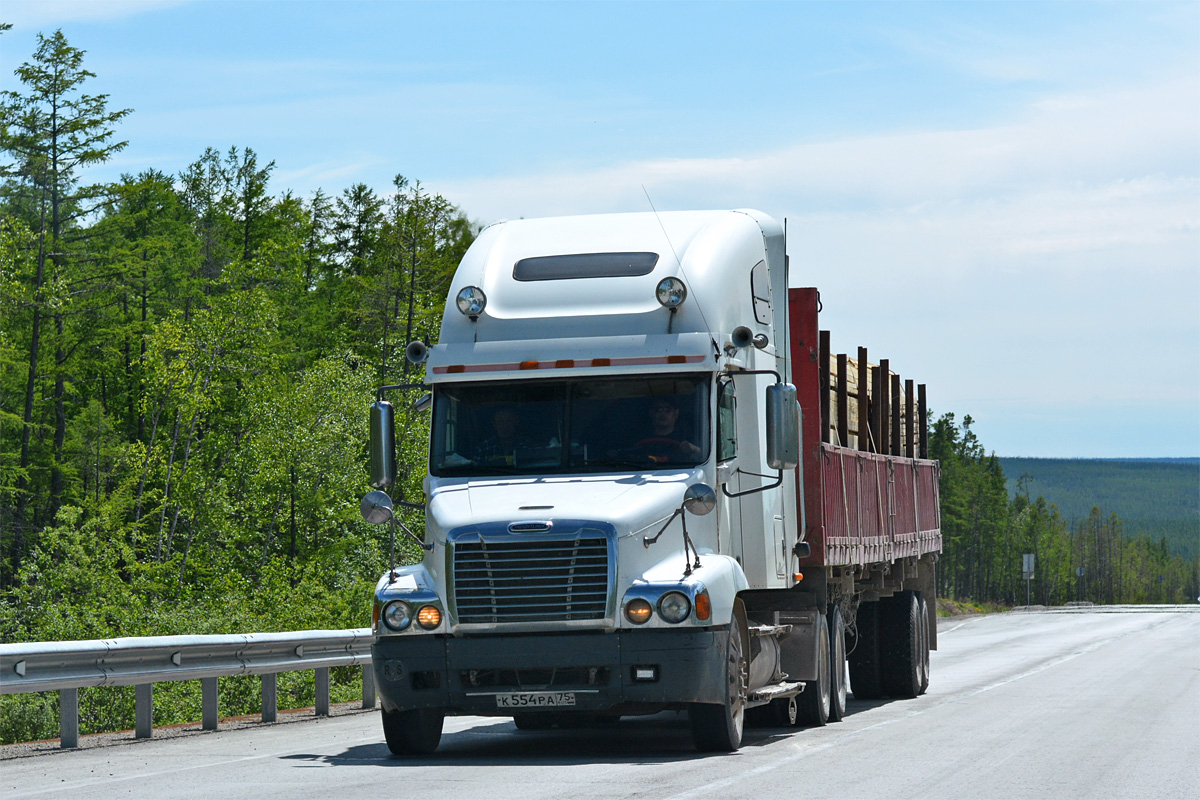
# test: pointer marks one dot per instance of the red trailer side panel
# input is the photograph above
(859, 508)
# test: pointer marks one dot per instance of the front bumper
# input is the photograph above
(465, 674)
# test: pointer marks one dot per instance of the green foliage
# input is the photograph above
(986, 533)
(185, 367)
(1155, 498)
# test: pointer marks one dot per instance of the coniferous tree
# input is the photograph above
(52, 131)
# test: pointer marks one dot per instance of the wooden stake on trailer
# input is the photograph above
(876, 409)
(922, 412)
(864, 406)
(843, 401)
(885, 410)
(895, 448)
(823, 355)
(909, 433)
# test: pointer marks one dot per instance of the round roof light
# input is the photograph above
(471, 301)
(671, 292)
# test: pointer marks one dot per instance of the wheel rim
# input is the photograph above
(824, 672)
(736, 672)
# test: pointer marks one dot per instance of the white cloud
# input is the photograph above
(1050, 264)
(46, 14)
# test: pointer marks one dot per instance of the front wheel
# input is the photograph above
(717, 728)
(414, 732)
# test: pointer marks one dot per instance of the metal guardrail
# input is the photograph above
(65, 667)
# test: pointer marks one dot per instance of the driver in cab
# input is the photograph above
(665, 444)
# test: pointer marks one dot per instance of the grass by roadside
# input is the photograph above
(957, 608)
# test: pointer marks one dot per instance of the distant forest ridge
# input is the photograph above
(1158, 497)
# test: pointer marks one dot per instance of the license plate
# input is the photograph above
(535, 699)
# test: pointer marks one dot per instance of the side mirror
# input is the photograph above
(383, 444)
(423, 402)
(699, 499)
(783, 426)
(376, 507)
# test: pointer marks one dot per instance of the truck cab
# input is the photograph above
(613, 505)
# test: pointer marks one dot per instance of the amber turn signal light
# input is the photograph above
(638, 611)
(429, 617)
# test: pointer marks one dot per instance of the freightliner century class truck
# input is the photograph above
(651, 486)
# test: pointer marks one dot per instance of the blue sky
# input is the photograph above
(1003, 198)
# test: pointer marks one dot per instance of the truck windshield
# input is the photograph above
(554, 427)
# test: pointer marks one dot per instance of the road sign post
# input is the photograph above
(1027, 573)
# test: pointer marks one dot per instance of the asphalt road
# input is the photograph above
(1099, 703)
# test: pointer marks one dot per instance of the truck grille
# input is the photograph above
(531, 581)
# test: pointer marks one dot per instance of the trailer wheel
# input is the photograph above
(815, 700)
(717, 728)
(924, 616)
(413, 732)
(837, 665)
(866, 680)
(900, 645)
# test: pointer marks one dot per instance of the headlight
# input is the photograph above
(670, 292)
(674, 607)
(471, 301)
(638, 610)
(397, 615)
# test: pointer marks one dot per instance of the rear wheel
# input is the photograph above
(816, 698)
(900, 645)
(717, 728)
(413, 732)
(837, 665)
(866, 680)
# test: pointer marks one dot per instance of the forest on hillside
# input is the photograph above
(186, 361)
(1159, 498)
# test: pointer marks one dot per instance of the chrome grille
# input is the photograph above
(535, 580)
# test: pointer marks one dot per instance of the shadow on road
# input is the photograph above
(659, 739)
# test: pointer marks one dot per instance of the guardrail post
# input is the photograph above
(368, 686)
(68, 717)
(143, 711)
(208, 690)
(322, 679)
(270, 697)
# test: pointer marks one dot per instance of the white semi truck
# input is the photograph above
(650, 487)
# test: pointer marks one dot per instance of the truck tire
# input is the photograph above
(717, 728)
(814, 702)
(863, 645)
(900, 645)
(837, 665)
(413, 732)
(924, 612)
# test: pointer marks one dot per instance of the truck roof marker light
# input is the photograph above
(454, 369)
(564, 363)
(529, 365)
(601, 362)
(471, 301)
(676, 359)
(670, 292)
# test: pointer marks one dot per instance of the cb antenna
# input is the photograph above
(678, 261)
